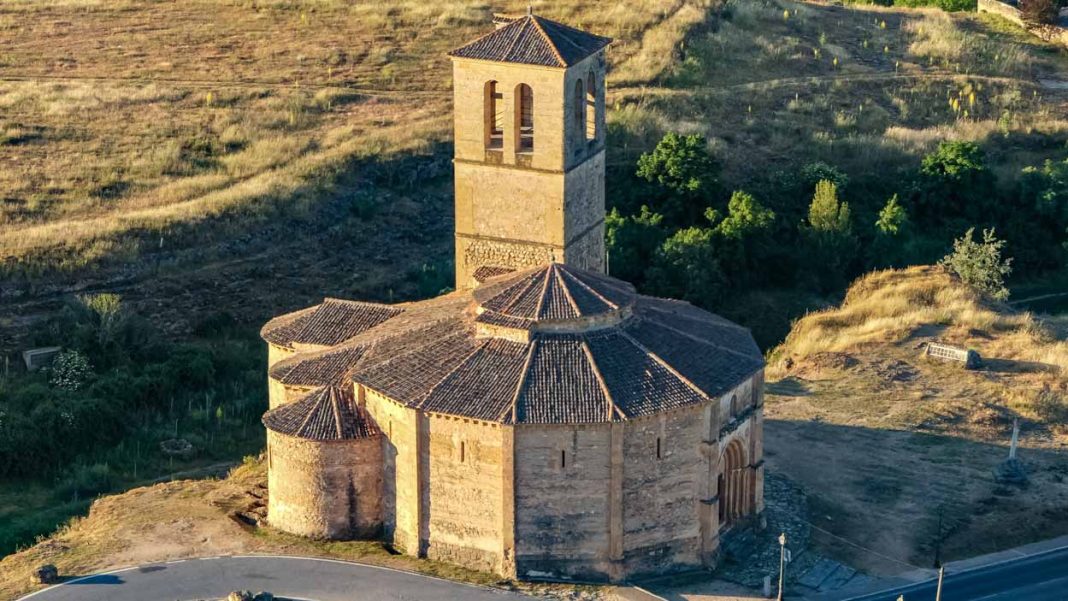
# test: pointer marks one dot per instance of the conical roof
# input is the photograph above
(551, 293)
(534, 40)
(326, 413)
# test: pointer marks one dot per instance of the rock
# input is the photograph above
(240, 596)
(263, 596)
(1011, 471)
(46, 574)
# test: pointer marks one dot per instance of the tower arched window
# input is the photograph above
(579, 106)
(524, 117)
(494, 116)
(591, 107)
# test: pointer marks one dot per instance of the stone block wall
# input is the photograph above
(464, 493)
(276, 353)
(562, 488)
(401, 488)
(662, 491)
(330, 490)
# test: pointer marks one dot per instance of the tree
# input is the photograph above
(957, 183)
(745, 217)
(685, 266)
(979, 264)
(632, 241)
(893, 219)
(826, 215)
(683, 167)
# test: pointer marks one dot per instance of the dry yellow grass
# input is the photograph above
(889, 307)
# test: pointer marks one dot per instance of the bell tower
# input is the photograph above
(529, 113)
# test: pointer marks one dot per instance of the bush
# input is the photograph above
(979, 264)
(1039, 13)
(70, 370)
(1050, 407)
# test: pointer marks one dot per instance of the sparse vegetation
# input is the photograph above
(979, 263)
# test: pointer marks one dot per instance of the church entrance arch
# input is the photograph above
(733, 485)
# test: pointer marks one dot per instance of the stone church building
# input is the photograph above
(545, 419)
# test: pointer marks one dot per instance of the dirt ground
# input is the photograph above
(897, 457)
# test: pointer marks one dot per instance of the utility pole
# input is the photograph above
(941, 575)
(782, 562)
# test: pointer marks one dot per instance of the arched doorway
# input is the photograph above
(733, 485)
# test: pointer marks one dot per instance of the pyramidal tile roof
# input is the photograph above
(534, 40)
(551, 292)
(326, 413)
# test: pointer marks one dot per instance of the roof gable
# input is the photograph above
(534, 40)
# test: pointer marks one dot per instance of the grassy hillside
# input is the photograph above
(164, 147)
(885, 441)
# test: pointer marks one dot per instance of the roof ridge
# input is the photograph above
(567, 292)
(518, 34)
(726, 322)
(548, 40)
(334, 402)
(307, 418)
(592, 290)
(478, 348)
(692, 336)
(544, 293)
(658, 359)
(520, 383)
(613, 407)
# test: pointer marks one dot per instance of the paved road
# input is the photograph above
(1041, 577)
(292, 577)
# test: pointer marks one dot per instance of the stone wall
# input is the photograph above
(464, 494)
(401, 489)
(562, 485)
(662, 491)
(279, 394)
(327, 489)
(276, 353)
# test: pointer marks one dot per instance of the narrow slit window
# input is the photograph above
(524, 118)
(494, 107)
(563, 459)
(580, 110)
(463, 451)
(659, 455)
(590, 114)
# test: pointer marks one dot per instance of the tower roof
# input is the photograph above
(534, 40)
(326, 413)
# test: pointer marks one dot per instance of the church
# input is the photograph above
(544, 420)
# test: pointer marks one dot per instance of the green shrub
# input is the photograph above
(979, 264)
(70, 370)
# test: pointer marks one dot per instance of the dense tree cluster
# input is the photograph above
(674, 231)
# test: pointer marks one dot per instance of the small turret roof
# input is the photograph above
(326, 413)
(534, 40)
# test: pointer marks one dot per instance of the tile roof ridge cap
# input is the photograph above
(546, 275)
(613, 408)
(520, 383)
(701, 339)
(548, 39)
(558, 273)
(335, 401)
(478, 348)
(592, 290)
(726, 322)
(314, 405)
(660, 360)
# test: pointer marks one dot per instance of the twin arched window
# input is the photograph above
(494, 117)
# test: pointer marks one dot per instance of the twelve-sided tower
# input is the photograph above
(529, 106)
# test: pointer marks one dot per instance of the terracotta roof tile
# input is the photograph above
(490, 271)
(329, 323)
(534, 40)
(484, 385)
(560, 385)
(327, 413)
